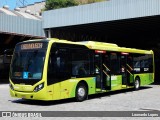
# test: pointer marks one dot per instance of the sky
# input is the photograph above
(16, 3)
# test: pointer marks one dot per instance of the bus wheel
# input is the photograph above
(81, 92)
(137, 84)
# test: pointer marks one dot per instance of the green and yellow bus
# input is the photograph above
(53, 69)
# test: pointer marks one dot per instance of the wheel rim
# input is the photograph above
(137, 83)
(81, 92)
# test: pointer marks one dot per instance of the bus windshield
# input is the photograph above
(27, 64)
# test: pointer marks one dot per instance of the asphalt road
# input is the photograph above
(145, 99)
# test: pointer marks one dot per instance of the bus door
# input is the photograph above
(103, 76)
(106, 71)
(127, 69)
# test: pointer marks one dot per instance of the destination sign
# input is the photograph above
(31, 46)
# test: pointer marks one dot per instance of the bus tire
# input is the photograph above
(137, 83)
(81, 92)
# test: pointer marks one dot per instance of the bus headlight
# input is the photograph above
(11, 86)
(39, 87)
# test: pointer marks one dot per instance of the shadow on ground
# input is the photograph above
(4, 81)
(71, 100)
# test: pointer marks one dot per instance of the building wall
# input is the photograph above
(20, 25)
(100, 12)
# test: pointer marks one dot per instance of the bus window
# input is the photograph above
(143, 63)
(80, 63)
(114, 63)
(137, 63)
(58, 65)
(97, 64)
(29, 62)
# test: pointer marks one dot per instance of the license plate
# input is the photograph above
(23, 96)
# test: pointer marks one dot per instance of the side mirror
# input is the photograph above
(7, 59)
(7, 56)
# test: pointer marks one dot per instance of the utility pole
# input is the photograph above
(21, 3)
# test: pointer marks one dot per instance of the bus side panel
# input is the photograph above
(91, 85)
(150, 78)
(68, 87)
(116, 82)
(50, 92)
(56, 91)
(145, 79)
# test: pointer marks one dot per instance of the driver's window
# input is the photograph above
(58, 65)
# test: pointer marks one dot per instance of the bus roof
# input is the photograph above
(97, 45)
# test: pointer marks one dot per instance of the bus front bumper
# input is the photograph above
(29, 95)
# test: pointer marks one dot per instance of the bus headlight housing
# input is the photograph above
(39, 87)
(11, 86)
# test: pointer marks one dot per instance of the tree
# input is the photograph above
(88, 1)
(55, 4)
